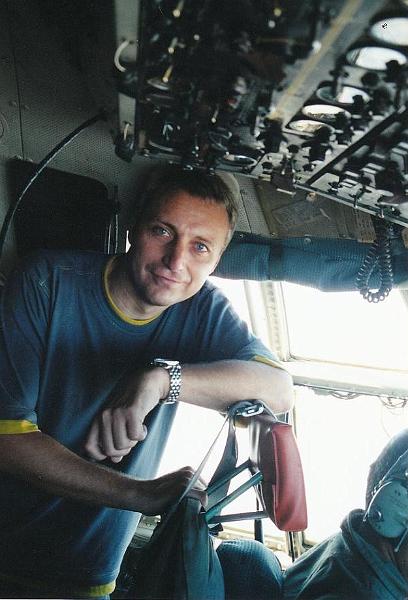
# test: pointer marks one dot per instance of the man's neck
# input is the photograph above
(123, 293)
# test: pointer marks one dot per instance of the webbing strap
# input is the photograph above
(196, 475)
(244, 408)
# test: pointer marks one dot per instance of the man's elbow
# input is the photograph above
(280, 396)
(288, 396)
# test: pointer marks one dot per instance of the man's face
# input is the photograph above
(174, 252)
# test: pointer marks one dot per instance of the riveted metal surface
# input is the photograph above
(45, 95)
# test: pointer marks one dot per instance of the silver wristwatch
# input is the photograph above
(174, 369)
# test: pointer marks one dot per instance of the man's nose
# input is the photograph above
(175, 256)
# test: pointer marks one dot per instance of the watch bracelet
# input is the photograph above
(175, 385)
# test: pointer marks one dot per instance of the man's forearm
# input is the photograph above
(44, 462)
(214, 385)
(41, 461)
(219, 384)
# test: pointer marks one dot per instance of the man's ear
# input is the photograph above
(132, 234)
(216, 264)
(222, 252)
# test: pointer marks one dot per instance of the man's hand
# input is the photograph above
(118, 428)
(156, 496)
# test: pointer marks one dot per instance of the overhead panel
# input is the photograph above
(307, 97)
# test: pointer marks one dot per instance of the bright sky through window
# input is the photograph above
(343, 327)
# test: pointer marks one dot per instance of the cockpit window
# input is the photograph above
(339, 436)
(341, 327)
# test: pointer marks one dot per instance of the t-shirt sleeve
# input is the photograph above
(23, 327)
(223, 335)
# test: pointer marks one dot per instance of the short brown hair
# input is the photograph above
(163, 182)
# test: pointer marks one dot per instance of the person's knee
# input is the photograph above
(250, 570)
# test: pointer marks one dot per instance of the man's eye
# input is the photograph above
(200, 247)
(160, 231)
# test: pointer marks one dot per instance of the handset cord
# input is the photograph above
(68, 139)
(379, 255)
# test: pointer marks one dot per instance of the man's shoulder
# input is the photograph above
(45, 262)
(209, 297)
(210, 290)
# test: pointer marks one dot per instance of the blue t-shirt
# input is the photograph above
(63, 350)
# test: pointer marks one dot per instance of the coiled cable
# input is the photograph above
(378, 257)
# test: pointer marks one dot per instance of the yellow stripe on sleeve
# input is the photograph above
(268, 361)
(93, 591)
(23, 426)
(100, 590)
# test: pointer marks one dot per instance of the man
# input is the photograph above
(363, 561)
(79, 332)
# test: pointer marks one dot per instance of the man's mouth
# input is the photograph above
(166, 280)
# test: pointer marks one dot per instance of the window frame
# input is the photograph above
(326, 375)
(321, 376)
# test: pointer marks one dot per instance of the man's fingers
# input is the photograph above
(121, 439)
(108, 428)
(200, 495)
(136, 430)
(163, 492)
(189, 472)
(199, 489)
(114, 433)
(105, 434)
(92, 446)
(116, 459)
(114, 438)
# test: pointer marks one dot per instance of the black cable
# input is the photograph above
(379, 256)
(112, 238)
(291, 545)
(13, 209)
(258, 526)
